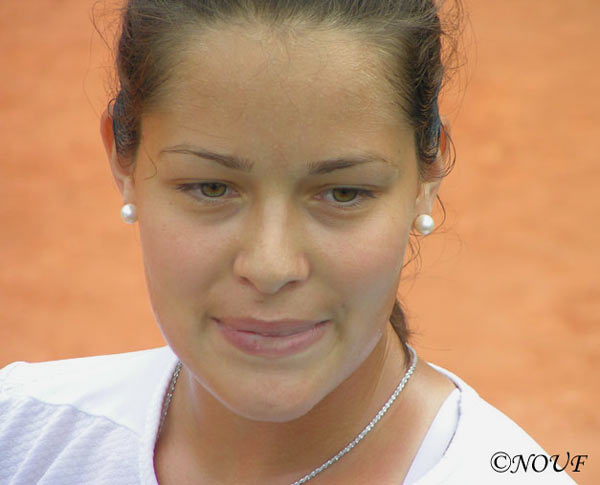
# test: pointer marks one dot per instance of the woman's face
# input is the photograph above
(275, 241)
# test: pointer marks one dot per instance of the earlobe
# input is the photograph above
(423, 222)
(427, 193)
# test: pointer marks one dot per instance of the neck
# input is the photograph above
(224, 445)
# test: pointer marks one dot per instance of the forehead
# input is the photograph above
(300, 87)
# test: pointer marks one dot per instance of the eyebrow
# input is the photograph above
(245, 165)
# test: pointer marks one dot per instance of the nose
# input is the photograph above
(271, 254)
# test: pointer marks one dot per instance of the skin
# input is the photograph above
(279, 245)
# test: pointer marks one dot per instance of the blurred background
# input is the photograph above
(508, 294)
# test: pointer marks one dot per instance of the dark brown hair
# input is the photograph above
(407, 35)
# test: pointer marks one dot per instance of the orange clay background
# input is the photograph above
(508, 296)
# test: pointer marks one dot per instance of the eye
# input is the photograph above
(213, 189)
(212, 193)
(205, 192)
(349, 202)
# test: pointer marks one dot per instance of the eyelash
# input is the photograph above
(362, 193)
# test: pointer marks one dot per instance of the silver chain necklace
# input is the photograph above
(348, 447)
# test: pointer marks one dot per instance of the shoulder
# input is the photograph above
(486, 438)
(76, 416)
(100, 385)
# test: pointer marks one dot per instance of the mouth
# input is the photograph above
(268, 328)
(277, 342)
(277, 334)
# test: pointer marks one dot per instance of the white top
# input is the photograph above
(94, 420)
(437, 439)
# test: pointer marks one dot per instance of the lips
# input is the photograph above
(274, 339)
(268, 328)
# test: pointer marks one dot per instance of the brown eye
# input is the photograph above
(349, 197)
(208, 193)
(212, 189)
(346, 194)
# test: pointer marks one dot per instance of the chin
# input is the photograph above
(271, 406)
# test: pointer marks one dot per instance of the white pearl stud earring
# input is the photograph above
(424, 224)
(129, 213)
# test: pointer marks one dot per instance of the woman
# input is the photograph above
(276, 156)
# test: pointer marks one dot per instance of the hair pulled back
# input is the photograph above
(407, 34)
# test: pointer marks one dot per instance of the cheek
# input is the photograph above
(181, 258)
(366, 264)
(365, 273)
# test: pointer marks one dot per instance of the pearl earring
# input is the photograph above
(129, 213)
(424, 224)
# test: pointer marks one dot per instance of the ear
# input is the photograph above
(123, 175)
(428, 189)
